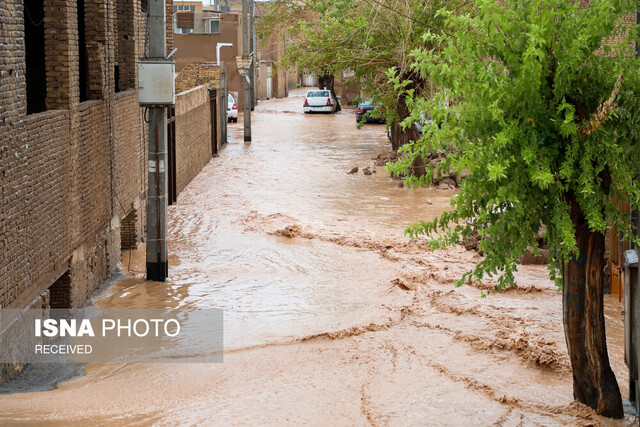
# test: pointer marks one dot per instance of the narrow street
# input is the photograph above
(332, 315)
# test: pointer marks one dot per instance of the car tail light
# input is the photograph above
(328, 101)
(306, 101)
(235, 106)
(360, 111)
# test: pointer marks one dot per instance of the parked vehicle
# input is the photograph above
(367, 106)
(319, 101)
(419, 125)
(232, 109)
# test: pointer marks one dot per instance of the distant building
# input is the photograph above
(196, 38)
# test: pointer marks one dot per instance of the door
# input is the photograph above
(309, 80)
(269, 94)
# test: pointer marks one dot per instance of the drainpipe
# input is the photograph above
(218, 46)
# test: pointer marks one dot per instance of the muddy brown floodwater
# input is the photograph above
(332, 316)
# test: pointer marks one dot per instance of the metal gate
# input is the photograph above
(171, 146)
(213, 107)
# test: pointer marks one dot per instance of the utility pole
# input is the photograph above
(245, 80)
(157, 203)
(252, 69)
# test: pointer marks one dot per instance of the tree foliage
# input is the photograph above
(367, 37)
(539, 101)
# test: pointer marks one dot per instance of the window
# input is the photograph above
(181, 7)
(35, 56)
(83, 80)
(318, 94)
(214, 26)
(90, 83)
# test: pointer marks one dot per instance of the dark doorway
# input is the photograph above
(34, 56)
(171, 145)
(60, 292)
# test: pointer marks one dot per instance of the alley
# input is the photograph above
(332, 316)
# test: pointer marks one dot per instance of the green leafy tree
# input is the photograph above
(368, 37)
(539, 102)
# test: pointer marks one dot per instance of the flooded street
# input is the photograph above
(332, 316)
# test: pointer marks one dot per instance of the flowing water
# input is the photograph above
(332, 316)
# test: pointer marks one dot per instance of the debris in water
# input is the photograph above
(402, 285)
(289, 231)
(354, 170)
(367, 171)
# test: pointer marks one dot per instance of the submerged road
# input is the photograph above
(332, 316)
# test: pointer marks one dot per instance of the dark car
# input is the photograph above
(367, 106)
(425, 120)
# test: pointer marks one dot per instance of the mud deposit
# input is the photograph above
(332, 316)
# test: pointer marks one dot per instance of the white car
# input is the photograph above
(232, 109)
(319, 101)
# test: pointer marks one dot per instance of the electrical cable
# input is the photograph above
(30, 18)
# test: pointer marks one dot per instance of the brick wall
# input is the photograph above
(169, 21)
(67, 175)
(73, 178)
(196, 74)
(193, 134)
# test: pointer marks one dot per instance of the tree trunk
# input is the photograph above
(327, 82)
(594, 383)
(400, 137)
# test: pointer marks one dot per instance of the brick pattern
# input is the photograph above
(60, 292)
(17, 333)
(169, 20)
(69, 175)
(193, 134)
(61, 52)
(66, 173)
(129, 151)
(12, 69)
(129, 231)
(197, 74)
(124, 30)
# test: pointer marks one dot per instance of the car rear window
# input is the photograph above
(231, 99)
(318, 94)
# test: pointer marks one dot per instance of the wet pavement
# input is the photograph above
(332, 316)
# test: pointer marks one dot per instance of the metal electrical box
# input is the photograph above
(156, 82)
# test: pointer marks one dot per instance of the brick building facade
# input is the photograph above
(73, 154)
